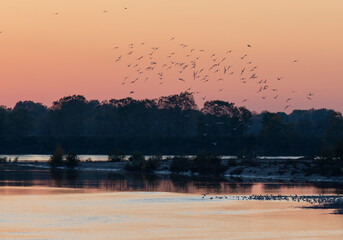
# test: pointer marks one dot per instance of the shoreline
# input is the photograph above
(264, 172)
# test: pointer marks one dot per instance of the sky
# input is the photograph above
(45, 56)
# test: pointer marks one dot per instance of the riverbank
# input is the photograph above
(268, 170)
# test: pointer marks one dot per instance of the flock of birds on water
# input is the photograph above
(312, 199)
(191, 64)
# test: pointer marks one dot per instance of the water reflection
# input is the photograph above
(109, 181)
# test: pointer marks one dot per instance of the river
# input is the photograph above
(40, 204)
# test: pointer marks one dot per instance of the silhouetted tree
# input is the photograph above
(20, 122)
(68, 115)
(3, 120)
(170, 124)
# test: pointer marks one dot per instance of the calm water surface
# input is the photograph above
(87, 205)
(111, 181)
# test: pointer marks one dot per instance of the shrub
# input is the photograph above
(138, 163)
(136, 156)
(133, 166)
(116, 156)
(180, 164)
(206, 162)
(56, 160)
(72, 160)
(150, 165)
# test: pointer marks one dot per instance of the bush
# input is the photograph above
(180, 164)
(208, 163)
(136, 156)
(72, 160)
(116, 156)
(137, 163)
(56, 160)
(133, 166)
(150, 165)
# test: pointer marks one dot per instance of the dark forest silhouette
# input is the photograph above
(167, 125)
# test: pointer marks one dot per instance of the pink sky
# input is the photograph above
(44, 56)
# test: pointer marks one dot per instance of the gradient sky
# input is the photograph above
(44, 56)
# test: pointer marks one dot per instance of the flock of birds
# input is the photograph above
(186, 64)
(311, 199)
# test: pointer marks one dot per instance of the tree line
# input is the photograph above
(167, 125)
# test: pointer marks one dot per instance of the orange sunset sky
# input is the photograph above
(45, 56)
